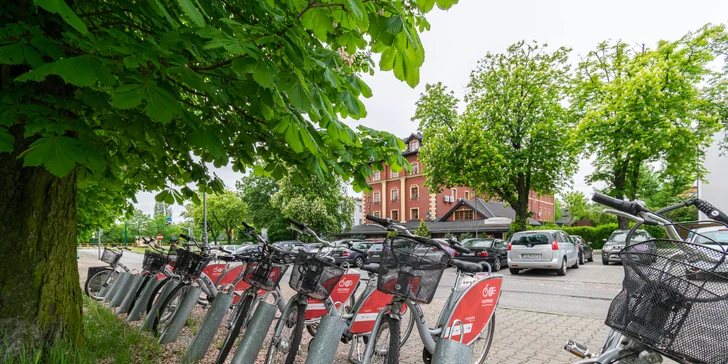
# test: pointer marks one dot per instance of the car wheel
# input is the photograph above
(562, 270)
(287, 259)
(605, 262)
(581, 258)
(497, 264)
(358, 262)
(514, 270)
(591, 258)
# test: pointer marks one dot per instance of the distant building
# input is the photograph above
(403, 197)
(357, 216)
(715, 189)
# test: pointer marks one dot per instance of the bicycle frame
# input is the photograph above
(465, 287)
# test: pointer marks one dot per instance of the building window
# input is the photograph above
(467, 195)
(464, 215)
(414, 192)
(395, 194)
(454, 193)
(539, 212)
(377, 214)
(377, 197)
(415, 168)
(395, 174)
(414, 145)
(395, 215)
(376, 176)
(359, 208)
(414, 214)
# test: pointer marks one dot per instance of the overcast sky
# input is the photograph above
(461, 36)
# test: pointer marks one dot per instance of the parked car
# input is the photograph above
(542, 249)
(586, 252)
(492, 251)
(245, 251)
(341, 253)
(374, 254)
(290, 249)
(616, 242)
(715, 237)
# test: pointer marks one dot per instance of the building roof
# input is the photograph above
(435, 227)
(487, 210)
(417, 135)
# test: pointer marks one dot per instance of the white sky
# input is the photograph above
(461, 36)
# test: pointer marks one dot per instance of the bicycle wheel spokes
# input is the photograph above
(482, 343)
(169, 310)
(96, 283)
(284, 348)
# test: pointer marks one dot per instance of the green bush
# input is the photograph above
(597, 234)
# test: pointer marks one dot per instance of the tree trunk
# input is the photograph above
(40, 295)
(229, 235)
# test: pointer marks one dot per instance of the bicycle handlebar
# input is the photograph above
(629, 207)
(453, 243)
(384, 222)
(299, 225)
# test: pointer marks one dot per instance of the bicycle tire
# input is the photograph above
(490, 329)
(180, 290)
(241, 314)
(96, 276)
(394, 340)
(295, 341)
(404, 336)
(155, 293)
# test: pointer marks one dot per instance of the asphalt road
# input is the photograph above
(583, 292)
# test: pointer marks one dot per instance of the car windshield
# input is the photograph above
(619, 237)
(530, 238)
(712, 237)
(478, 244)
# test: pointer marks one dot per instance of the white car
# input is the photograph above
(542, 249)
(715, 236)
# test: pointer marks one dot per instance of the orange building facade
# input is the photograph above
(403, 197)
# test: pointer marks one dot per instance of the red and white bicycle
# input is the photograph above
(410, 271)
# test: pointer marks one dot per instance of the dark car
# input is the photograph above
(586, 252)
(290, 249)
(374, 254)
(311, 247)
(616, 242)
(245, 252)
(492, 251)
(342, 254)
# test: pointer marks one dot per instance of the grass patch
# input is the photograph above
(108, 340)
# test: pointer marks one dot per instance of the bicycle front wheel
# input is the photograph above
(95, 283)
(284, 348)
(387, 342)
(169, 307)
(481, 346)
(240, 313)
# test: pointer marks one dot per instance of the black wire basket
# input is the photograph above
(411, 269)
(264, 274)
(189, 264)
(674, 299)
(111, 257)
(313, 276)
(154, 262)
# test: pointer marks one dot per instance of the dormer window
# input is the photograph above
(414, 145)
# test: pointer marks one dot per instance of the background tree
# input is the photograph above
(322, 205)
(132, 95)
(256, 193)
(226, 210)
(422, 230)
(576, 205)
(648, 105)
(557, 209)
(511, 138)
(162, 209)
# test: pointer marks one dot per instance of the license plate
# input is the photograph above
(530, 256)
(468, 254)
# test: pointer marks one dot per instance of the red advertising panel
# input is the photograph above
(344, 289)
(474, 309)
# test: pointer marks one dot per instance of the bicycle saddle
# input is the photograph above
(467, 266)
(371, 268)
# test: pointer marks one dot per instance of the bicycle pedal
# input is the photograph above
(577, 349)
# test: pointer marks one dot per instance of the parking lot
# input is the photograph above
(538, 311)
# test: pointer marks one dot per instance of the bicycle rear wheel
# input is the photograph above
(284, 348)
(240, 314)
(155, 293)
(96, 282)
(169, 307)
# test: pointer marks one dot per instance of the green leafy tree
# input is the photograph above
(225, 211)
(576, 205)
(648, 105)
(256, 192)
(422, 230)
(511, 139)
(163, 209)
(557, 209)
(322, 205)
(143, 95)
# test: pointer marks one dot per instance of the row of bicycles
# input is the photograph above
(334, 304)
(673, 304)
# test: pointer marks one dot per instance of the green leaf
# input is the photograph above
(293, 138)
(299, 96)
(445, 4)
(61, 8)
(161, 10)
(263, 75)
(329, 76)
(244, 65)
(392, 25)
(127, 96)
(357, 8)
(191, 11)
(58, 154)
(32, 57)
(425, 5)
(83, 71)
(161, 105)
(386, 63)
(350, 102)
(12, 54)
(6, 141)
(206, 139)
(365, 90)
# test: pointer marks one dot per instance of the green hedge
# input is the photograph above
(597, 234)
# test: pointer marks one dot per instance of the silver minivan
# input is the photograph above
(542, 249)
